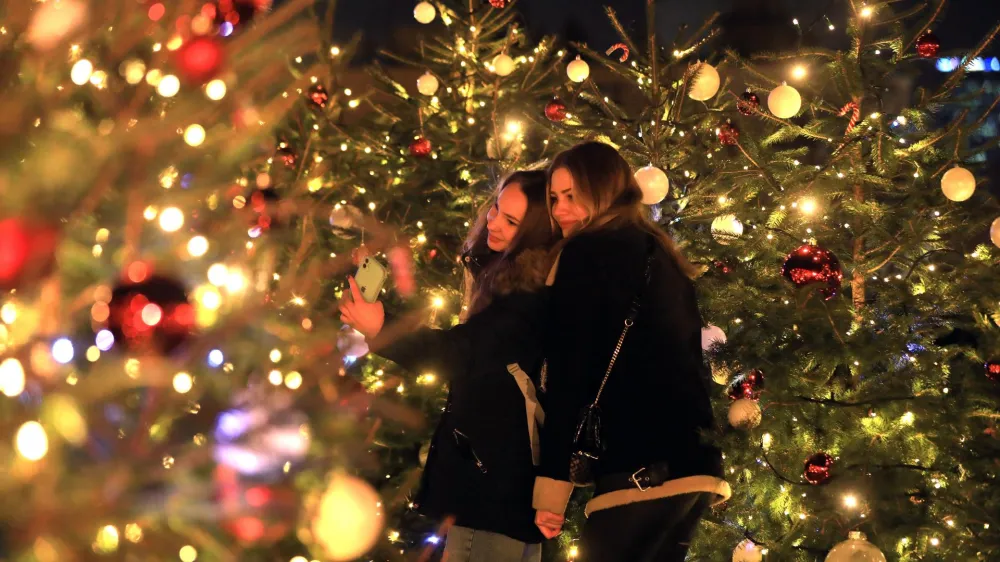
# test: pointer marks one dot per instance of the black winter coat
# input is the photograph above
(480, 467)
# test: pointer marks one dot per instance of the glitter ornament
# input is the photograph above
(286, 156)
(747, 386)
(811, 264)
(200, 59)
(555, 110)
(855, 549)
(992, 368)
(150, 312)
(748, 103)
(817, 469)
(318, 96)
(928, 45)
(654, 184)
(995, 232)
(428, 84)
(498, 4)
(420, 147)
(728, 134)
(503, 65)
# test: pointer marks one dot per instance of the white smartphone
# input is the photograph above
(371, 278)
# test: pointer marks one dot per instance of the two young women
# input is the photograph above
(656, 477)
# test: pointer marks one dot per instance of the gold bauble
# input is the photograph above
(958, 184)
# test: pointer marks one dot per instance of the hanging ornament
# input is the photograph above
(784, 102)
(817, 469)
(723, 267)
(747, 386)
(427, 84)
(744, 414)
(286, 156)
(555, 110)
(578, 70)
(359, 254)
(747, 551)
(728, 133)
(654, 184)
(726, 229)
(615, 47)
(200, 59)
(705, 82)
(958, 184)
(498, 4)
(150, 312)
(318, 96)
(27, 252)
(748, 103)
(712, 336)
(255, 511)
(420, 147)
(854, 107)
(424, 12)
(54, 22)
(928, 45)
(345, 219)
(811, 264)
(992, 368)
(855, 549)
(348, 520)
(995, 232)
(264, 202)
(503, 65)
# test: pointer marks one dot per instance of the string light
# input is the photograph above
(31, 441)
(867, 12)
(799, 72)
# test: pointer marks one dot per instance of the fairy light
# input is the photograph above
(427, 379)
(867, 12)
(171, 219)
(275, 377)
(11, 377)
(799, 72)
(766, 441)
(574, 551)
(169, 86)
(808, 206)
(215, 90)
(293, 380)
(183, 383)
(81, 72)
(188, 553)
(133, 532)
(908, 418)
(437, 302)
(107, 539)
(194, 135)
(8, 313)
(31, 441)
(275, 355)
(850, 501)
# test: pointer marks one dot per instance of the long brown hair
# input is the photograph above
(534, 232)
(605, 181)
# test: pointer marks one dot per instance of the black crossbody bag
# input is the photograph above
(588, 443)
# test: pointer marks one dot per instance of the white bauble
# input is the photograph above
(958, 184)
(855, 549)
(995, 232)
(55, 21)
(509, 147)
(427, 84)
(348, 521)
(712, 336)
(578, 70)
(744, 414)
(424, 12)
(726, 228)
(705, 82)
(747, 551)
(654, 184)
(784, 101)
(503, 65)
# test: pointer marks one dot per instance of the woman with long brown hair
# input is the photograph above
(622, 344)
(481, 466)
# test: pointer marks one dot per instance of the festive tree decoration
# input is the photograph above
(200, 59)
(728, 133)
(555, 110)
(784, 102)
(318, 96)
(855, 549)
(578, 70)
(55, 22)
(811, 264)
(503, 65)
(149, 311)
(712, 336)
(424, 12)
(624, 49)
(27, 252)
(286, 156)
(992, 368)
(747, 551)
(705, 82)
(747, 386)
(928, 45)
(654, 184)
(427, 84)
(817, 469)
(498, 4)
(958, 184)
(348, 520)
(995, 232)
(749, 103)
(420, 147)
(744, 414)
(726, 229)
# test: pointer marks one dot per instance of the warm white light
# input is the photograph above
(215, 90)
(574, 551)
(31, 441)
(766, 441)
(188, 553)
(293, 380)
(866, 12)
(197, 246)
(171, 219)
(81, 72)
(183, 383)
(275, 356)
(935, 541)
(194, 135)
(850, 501)
(799, 72)
(8, 313)
(808, 206)
(438, 302)
(11, 377)
(908, 418)
(169, 86)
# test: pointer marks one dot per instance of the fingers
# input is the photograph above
(549, 518)
(355, 291)
(548, 532)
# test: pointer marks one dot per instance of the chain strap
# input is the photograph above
(614, 357)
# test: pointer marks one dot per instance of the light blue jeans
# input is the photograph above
(471, 545)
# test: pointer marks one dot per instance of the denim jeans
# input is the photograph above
(471, 545)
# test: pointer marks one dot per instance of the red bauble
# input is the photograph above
(747, 386)
(993, 369)
(200, 59)
(236, 12)
(498, 3)
(420, 147)
(748, 103)
(318, 96)
(264, 203)
(27, 252)
(286, 156)
(928, 45)
(254, 513)
(817, 470)
(729, 134)
(811, 264)
(150, 312)
(555, 110)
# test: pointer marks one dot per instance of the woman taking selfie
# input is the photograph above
(624, 333)
(481, 466)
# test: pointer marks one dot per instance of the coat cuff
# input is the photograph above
(551, 495)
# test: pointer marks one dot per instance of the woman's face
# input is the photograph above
(568, 208)
(505, 217)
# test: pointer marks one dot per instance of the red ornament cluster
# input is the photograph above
(817, 469)
(747, 386)
(263, 202)
(286, 156)
(993, 369)
(236, 12)
(811, 264)
(150, 312)
(928, 45)
(318, 96)
(555, 110)
(728, 134)
(498, 3)
(420, 147)
(27, 252)
(748, 103)
(200, 59)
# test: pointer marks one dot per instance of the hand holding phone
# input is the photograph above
(371, 278)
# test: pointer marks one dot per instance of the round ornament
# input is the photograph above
(705, 82)
(654, 184)
(744, 414)
(200, 59)
(503, 65)
(555, 110)
(817, 469)
(264, 202)
(728, 133)
(286, 156)
(318, 96)
(748, 103)
(747, 386)
(928, 45)
(150, 312)
(811, 264)
(855, 549)
(424, 12)
(509, 148)
(578, 70)
(995, 232)
(348, 520)
(27, 252)
(726, 229)
(992, 368)
(55, 21)
(427, 84)
(747, 551)
(958, 184)
(498, 4)
(712, 336)
(784, 101)
(420, 147)
(344, 219)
